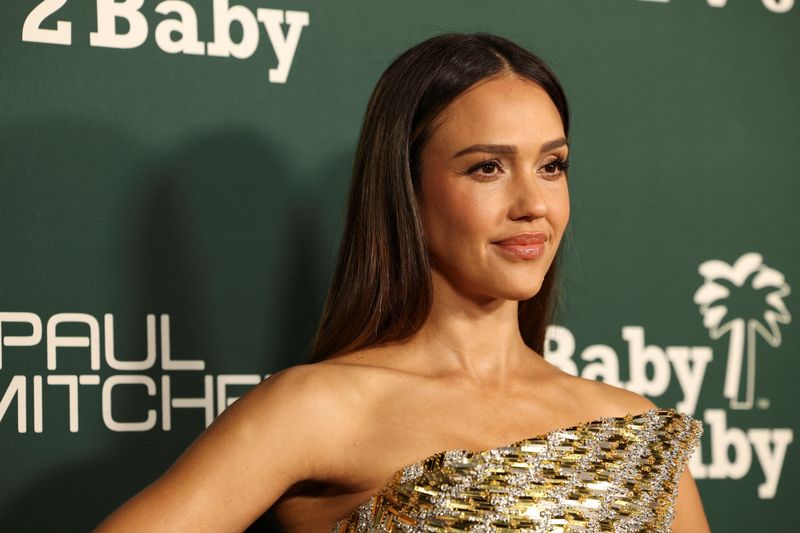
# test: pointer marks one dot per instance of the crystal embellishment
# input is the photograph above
(610, 474)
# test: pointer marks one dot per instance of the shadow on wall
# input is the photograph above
(221, 234)
(227, 243)
(323, 211)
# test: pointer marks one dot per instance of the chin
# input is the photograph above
(522, 292)
(510, 287)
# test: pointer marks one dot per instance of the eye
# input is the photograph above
(486, 169)
(555, 169)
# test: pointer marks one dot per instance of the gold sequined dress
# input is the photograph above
(611, 474)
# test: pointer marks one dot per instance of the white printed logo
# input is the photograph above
(724, 285)
(742, 300)
(123, 25)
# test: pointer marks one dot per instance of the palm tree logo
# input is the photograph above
(755, 293)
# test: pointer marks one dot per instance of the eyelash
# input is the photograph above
(560, 163)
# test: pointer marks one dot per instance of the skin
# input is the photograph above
(314, 441)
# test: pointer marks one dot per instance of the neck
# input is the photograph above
(471, 338)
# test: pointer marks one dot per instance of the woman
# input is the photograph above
(428, 404)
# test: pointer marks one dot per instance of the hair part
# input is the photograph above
(382, 290)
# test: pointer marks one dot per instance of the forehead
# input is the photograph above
(507, 109)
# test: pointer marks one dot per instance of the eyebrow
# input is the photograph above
(508, 149)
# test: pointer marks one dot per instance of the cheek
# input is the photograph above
(563, 207)
(560, 211)
(459, 216)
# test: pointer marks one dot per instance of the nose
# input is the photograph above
(528, 198)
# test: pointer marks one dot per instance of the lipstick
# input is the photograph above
(523, 245)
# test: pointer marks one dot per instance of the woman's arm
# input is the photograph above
(252, 453)
(689, 514)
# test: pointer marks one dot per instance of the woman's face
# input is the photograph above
(492, 169)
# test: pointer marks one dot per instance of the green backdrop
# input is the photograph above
(170, 212)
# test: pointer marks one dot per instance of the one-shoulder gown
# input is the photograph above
(611, 474)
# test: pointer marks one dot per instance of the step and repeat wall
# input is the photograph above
(172, 184)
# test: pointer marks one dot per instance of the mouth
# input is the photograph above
(523, 245)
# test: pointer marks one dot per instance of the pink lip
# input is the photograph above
(524, 245)
(523, 239)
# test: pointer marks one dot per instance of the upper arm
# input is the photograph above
(252, 453)
(689, 514)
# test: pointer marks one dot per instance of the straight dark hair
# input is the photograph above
(381, 289)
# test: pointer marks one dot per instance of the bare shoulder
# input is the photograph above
(603, 399)
(335, 398)
(324, 402)
(324, 391)
(284, 431)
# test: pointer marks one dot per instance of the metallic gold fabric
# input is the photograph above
(612, 474)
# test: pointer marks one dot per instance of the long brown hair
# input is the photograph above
(381, 289)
